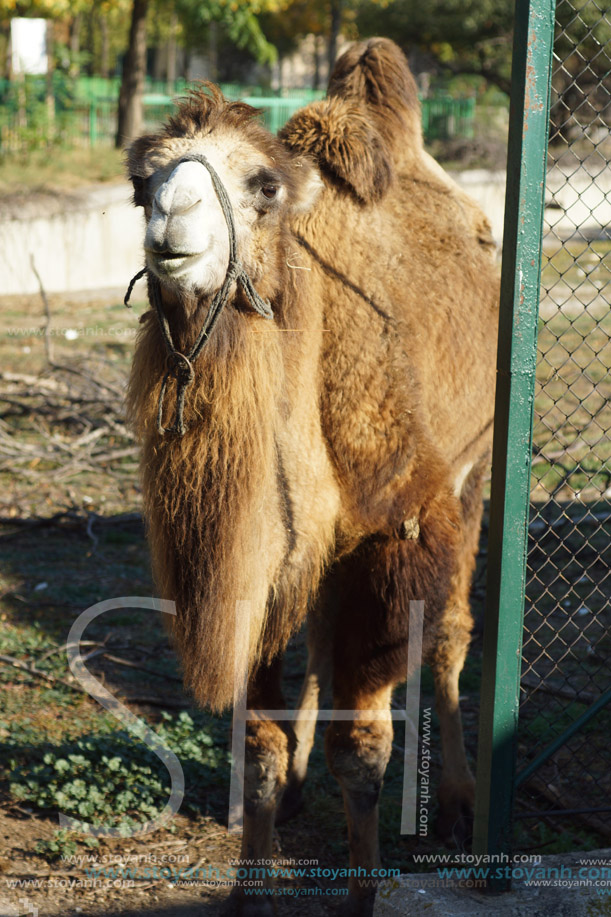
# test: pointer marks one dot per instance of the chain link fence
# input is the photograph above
(565, 717)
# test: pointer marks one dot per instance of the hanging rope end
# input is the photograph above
(131, 286)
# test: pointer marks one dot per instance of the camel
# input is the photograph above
(313, 390)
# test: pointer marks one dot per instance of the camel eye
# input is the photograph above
(269, 191)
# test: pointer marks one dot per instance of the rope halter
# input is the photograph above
(180, 365)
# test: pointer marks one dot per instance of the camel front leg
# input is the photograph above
(358, 751)
(267, 753)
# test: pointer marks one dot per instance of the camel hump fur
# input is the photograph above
(370, 119)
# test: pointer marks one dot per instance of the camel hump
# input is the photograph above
(369, 120)
(376, 73)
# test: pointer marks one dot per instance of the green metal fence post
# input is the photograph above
(517, 353)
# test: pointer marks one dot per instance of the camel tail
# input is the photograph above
(375, 73)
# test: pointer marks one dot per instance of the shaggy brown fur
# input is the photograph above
(311, 440)
(356, 133)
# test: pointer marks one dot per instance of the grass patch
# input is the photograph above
(110, 778)
(62, 170)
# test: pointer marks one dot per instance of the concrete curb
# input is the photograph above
(418, 895)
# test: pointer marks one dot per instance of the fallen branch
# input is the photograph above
(32, 670)
(142, 668)
(65, 423)
(78, 372)
(91, 534)
(563, 800)
(45, 302)
(76, 686)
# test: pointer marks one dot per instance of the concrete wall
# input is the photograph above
(488, 189)
(90, 240)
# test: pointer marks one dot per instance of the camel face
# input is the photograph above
(187, 234)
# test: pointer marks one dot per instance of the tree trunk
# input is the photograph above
(132, 83)
(105, 47)
(50, 95)
(336, 25)
(75, 45)
(5, 33)
(171, 70)
(316, 77)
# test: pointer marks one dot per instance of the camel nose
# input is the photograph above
(174, 199)
(186, 218)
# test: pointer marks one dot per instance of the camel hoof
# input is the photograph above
(290, 804)
(240, 905)
(454, 823)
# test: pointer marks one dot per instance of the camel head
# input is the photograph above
(187, 234)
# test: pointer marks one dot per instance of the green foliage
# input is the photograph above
(54, 9)
(24, 640)
(585, 25)
(238, 21)
(110, 777)
(543, 838)
(466, 36)
(583, 48)
(63, 844)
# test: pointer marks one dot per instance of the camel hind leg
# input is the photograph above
(378, 582)
(457, 787)
(316, 682)
(358, 750)
(368, 652)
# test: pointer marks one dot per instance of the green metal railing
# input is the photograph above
(548, 613)
(85, 110)
(444, 117)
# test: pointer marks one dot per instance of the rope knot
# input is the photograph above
(180, 367)
(234, 271)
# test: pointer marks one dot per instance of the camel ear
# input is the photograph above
(343, 140)
(308, 185)
(137, 171)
